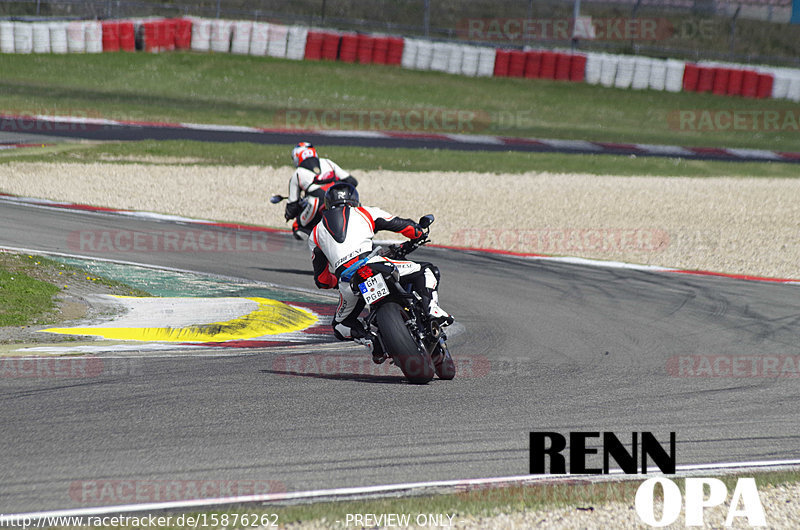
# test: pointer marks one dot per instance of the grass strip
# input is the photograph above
(29, 285)
(474, 502)
(267, 92)
(367, 159)
(24, 300)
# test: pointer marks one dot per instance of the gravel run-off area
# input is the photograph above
(731, 225)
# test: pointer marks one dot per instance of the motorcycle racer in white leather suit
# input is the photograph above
(342, 237)
(312, 178)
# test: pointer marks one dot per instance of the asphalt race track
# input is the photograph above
(557, 347)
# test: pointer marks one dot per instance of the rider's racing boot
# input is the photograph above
(374, 346)
(301, 233)
(439, 315)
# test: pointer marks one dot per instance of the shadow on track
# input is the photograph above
(359, 378)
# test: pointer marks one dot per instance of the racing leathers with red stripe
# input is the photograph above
(310, 181)
(343, 236)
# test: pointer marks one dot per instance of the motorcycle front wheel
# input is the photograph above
(415, 363)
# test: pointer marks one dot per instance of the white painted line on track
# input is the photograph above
(664, 149)
(755, 153)
(351, 134)
(576, 145)
(602, 263)
(221, 128)
(373, 491)
(476, 139)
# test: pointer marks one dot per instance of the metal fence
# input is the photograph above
(743, 31)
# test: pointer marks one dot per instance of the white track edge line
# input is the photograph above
(362, 491)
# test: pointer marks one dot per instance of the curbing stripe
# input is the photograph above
(491, 142)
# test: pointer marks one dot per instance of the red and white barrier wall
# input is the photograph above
(301, 43)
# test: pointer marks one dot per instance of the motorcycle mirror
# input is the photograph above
(275, 199)
(426, 220)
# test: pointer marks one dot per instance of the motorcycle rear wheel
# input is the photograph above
(416, 364)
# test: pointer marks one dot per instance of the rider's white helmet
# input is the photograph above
(302, 151)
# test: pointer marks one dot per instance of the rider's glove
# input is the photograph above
(292, 209)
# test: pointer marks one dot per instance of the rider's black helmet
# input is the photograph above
(340, 194)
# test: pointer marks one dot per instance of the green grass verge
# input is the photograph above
(256, 91)
(367, 159)
(24, 300)
(477, 502)
(29, 284)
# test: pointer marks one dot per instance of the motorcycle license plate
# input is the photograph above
(374, 289)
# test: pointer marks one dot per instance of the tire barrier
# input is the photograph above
(23, 37)
(724, 79)
(380, 50)
(394, 54)
(6, 37)
(424, 55)
(365, 49)
(348, 48)
(313, 51)
(201, 35)
(41, 38)
(516, 63)
(241, 35)
(298, 42)
(58, 37)
(577, 71)
(330, 46)
(501, 63)
(594, 67)
(94, 36)
(259, 37)
(409, 58)
(608, 72)
(625, 70)
(547, 68)
(658, 75)
(642, 67)
(440, 57)
(278, 40)
(221, 33)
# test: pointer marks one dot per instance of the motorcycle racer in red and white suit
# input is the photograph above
(342, 237)
(307, 187)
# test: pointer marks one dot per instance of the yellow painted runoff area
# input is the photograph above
(270, 318)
